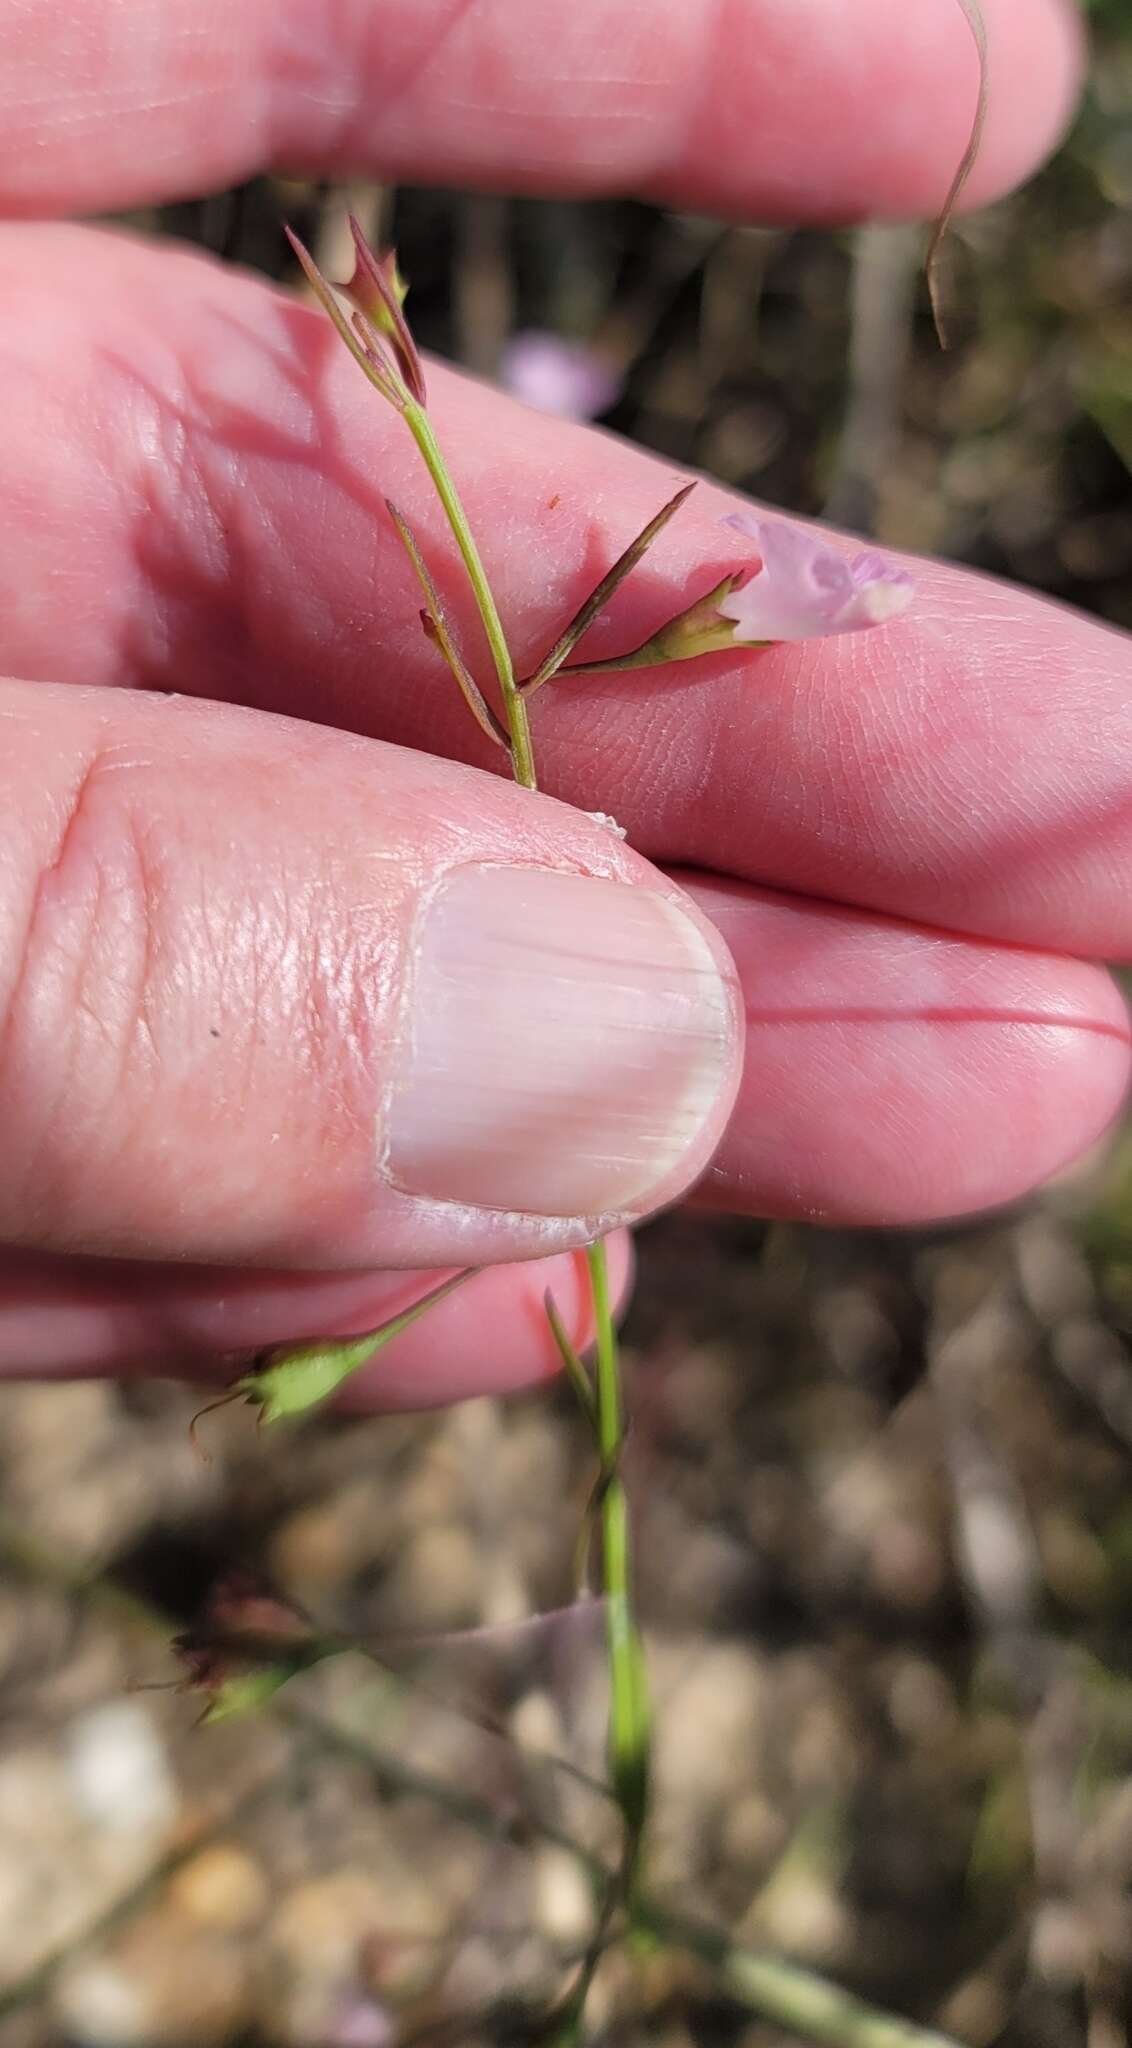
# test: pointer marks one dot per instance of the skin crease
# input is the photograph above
(214, 921)
(932, 1064)
(193, 502)
(67, 1318)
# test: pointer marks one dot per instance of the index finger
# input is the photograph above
(807, 110)
(193, 501)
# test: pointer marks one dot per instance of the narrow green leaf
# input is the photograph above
(584, 617)
(442, 633)
(578, 1376)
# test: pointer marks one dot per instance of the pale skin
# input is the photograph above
(911, 844)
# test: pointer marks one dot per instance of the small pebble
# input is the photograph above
(118, 1770)
(221, 1887)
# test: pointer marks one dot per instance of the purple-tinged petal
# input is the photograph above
(806, 589)
(747, 523)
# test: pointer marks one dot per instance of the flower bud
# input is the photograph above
(378, 291)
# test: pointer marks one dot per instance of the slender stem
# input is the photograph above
(445, 638)
(420, 426)
(610, 1432)
(629, 1708)
(781, 1991)
(609, 1423)
(629, 1718)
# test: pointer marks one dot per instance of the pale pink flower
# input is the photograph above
(361, 2023)
(557, 375)
(805, 589)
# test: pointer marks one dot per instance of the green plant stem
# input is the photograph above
(609, 1419)
(629, 1711)
(809, 2005)
(518, 725)
(629, 1719)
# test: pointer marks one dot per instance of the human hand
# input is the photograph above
(211, 915)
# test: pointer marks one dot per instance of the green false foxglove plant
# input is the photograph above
(788, 585)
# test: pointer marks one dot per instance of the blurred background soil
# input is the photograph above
(881, 1481)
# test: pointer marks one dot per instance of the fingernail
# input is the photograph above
(568, 1041)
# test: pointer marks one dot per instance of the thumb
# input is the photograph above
(272, 994)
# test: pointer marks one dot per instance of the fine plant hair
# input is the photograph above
(932, 262)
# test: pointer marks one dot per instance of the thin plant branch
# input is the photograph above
(809, 2005)
(629, 1721)
(288, 1380)
(515, 710)
(575, 1371)
(442, 633)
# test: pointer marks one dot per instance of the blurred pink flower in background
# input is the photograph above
(806, 589)
(559, 376)
(361, 2023)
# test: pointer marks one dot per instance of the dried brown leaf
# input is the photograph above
(972, 9)
(613, 579)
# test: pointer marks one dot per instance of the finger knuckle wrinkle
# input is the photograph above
(76, 975)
